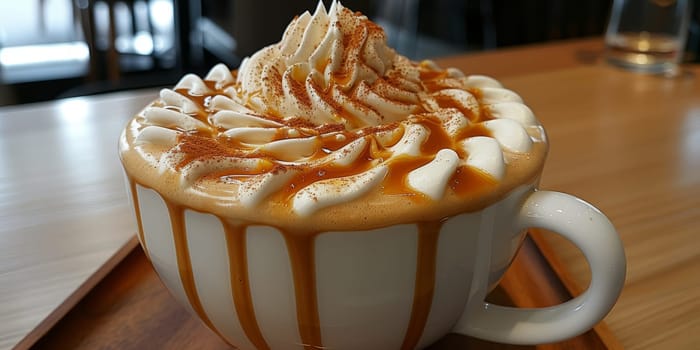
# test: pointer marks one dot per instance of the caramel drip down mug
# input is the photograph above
(402, 286)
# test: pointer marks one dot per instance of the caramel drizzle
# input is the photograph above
(184, 263)
(137, 213)
(240, 284)
(470, 181)
(396, 181)
(302, 259)
(426, 260)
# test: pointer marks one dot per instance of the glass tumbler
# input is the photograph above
(647, 35)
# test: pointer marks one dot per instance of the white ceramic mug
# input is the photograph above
(375, 289)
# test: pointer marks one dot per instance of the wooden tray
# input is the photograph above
(130, 309)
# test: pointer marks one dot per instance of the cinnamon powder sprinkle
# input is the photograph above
(298, 123)
(329, 128)
(298, 90)
(370, 130)
(194, 147)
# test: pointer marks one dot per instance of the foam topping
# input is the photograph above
(323, 116)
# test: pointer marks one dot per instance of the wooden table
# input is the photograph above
(628, 143)
(63, 205)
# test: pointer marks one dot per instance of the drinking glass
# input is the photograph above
(647, 35)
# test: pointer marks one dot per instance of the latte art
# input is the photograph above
(328, 115)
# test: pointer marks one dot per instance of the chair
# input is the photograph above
(106, 58)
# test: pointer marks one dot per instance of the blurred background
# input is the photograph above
(62, 48)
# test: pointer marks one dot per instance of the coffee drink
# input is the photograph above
(328, 130)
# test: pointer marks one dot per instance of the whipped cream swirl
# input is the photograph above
(328, 115)
(329, 68)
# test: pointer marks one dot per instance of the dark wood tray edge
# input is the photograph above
(573, 288)
(74, 298)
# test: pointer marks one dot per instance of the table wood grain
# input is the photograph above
(628, 143)
(63, 205)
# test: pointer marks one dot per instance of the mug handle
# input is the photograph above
(592, 232)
